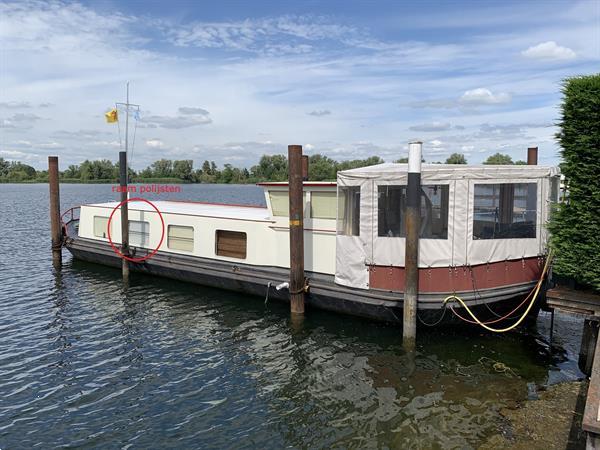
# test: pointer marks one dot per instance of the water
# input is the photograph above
(85, 363)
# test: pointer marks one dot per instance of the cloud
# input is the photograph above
(433, 126)
(51, 145)
(549, 51)
(46, 105)
(288, 34)
(319, 113)
(155, 143)
(15, 105)
(190, 117)
(193, 111)
(19, 121)
(483, 96)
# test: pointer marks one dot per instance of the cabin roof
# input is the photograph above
(450, 171)
(217, 210)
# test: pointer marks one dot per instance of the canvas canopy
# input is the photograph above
(470, 215)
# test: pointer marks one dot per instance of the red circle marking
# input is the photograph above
(162, 236)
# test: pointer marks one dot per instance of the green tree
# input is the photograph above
(183, 169)
(72, 172)
(321, 168)
(456, 158)
(16, 166)
(162, 168)
(498, 159)
(271, 168)
(4, 166)
(575, 225)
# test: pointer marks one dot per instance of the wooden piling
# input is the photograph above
(589, 337)
(411, 264)
(124, 214)
(532, 156)
(304, 167)
(55, 223)
(296, 229)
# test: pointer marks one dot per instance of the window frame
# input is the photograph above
(144, 243)
(94, 226)
(169, 237)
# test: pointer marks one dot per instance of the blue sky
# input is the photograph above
(232, 80)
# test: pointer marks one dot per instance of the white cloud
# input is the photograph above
(190, 117)
(51, 145)
(15, 105)
(433, 126)
(436, 143)
(155, 143)
(319, 113)
(483, 96)
(549, 51)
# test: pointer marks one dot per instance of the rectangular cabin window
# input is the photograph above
(391, 206)
(323, 205)
(504, 211)
(348, 223)
(180, 238)
(101, 227)
(139, 233)
(231, 244)
(280, 202)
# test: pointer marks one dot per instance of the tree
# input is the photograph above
(271, 168)
(575, 225)
(456, 158)
(72, 172)
(162, 168)
(321, 168)
(183, 169)
(498, 159)
(4, 166)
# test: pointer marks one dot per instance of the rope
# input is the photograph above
(267, 296)
(438, 321)
(535, 293)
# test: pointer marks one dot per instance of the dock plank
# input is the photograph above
(582, 302)
(591, 415)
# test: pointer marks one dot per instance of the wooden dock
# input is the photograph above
(588, 304)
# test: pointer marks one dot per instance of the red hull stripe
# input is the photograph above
(459, 279)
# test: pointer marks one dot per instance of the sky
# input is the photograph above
(230, 81)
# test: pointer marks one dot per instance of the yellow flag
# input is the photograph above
(111, 116)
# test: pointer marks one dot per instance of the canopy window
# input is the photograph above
(391, 205)
(349, 210)
(505, 211)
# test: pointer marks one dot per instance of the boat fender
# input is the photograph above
(281, 286)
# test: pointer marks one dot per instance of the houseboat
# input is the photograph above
(482, 236)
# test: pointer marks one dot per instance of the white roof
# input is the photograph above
(255, 213)
(452, 171)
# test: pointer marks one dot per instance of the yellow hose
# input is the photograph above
(535, 292)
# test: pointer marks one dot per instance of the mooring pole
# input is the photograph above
(55, 225)
(304, 167)
(124, 214)
(532, 156)
(413, 224)
(296, 229)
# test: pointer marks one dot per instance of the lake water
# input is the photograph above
(85, 362)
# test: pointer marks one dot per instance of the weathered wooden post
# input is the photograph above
(296, 229)
(55, 225)
(413, 224)
(532, 156)
(124, 214)
(304, 167)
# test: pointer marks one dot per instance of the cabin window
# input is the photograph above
(101, 227)
(180, 238)
(139, 233)
(322, 205)
(349, 211)
(231, 244)
(280, 203)
(391, 207)
(504, 211)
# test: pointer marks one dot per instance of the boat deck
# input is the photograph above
(218, 210)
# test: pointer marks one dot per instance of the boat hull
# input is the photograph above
(323, 293)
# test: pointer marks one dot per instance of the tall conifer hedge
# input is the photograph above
(575, 225)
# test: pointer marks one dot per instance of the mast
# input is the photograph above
(127, 129)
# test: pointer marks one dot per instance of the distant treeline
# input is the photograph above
(269, 168)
